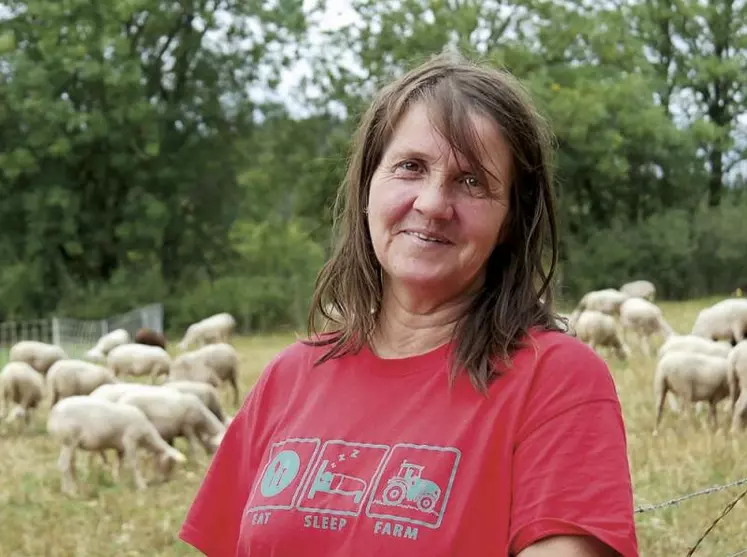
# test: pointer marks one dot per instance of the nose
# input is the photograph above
(434, 198)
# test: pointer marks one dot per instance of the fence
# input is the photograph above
(78, 335)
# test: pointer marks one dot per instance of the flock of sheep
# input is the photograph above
(707, 365)
(93, 407)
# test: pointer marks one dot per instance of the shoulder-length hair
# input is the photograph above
(517, 294)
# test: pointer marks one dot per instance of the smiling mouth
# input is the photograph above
(427, 237)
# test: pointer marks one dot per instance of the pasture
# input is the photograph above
(108, 520)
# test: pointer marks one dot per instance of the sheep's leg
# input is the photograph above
(116, 466)
(235, 387)
(66, 465)
(194, 441)
(713, 414)
(130, 456)
(738, 413)
(662, 395)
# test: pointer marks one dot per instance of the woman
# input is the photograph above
(444, 413)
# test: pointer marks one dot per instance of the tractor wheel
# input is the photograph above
(426, 502)
(394, 493)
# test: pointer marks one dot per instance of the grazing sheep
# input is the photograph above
(639, 289)
(220, 359)
(22, 385)
(177, 414)
(68, 378)
(598, 329)
(724, 320)
(736, 364)
(138, 360)
(83, 422)
(114, 391)
(606, 301)
(644, 320)
(207, 393)
(109, 341)
(150, 338)
(692, 377)
(692, 343)
(38, 355)
(213, 329)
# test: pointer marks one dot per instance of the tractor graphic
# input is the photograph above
(408, 486)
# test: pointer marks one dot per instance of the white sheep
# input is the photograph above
(644, 319)
(724, 320)
(216, 328)
(639, 289)
(139, 360)
(114, 391)
(83, 422)
(736, 364)
(76, 377)
(177, 414)
(207, 393)
(214, 364)
(38, 355)
(606, 301)
(106, 344)
(20, 385)
(692, 343)
(692, 377)
(598, 329)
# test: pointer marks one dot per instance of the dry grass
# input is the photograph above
(108, 520)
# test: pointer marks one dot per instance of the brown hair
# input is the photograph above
(517, 293)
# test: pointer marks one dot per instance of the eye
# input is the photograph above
(410, 166)
(471, 181)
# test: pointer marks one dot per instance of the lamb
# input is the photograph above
(606, 301)
(213, 329)
(724, 320)
(205, 392)
(139, 360)
(736, 364)
(692, 377)
(76, 377)
(177, 414)
(639, 289)
(84, 422)
(38, 355)
(692, 343)
(22, 385)
(643, 319)
(598, 329)
(150, 338)
(106, 344)
(214, 364)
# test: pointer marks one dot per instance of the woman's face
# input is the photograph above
(433, 225)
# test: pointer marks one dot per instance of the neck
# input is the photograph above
(408, 326)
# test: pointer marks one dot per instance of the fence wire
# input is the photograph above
(713, 489)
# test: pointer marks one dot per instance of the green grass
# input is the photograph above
(114, 520)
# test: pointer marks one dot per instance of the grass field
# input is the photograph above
(114, 520)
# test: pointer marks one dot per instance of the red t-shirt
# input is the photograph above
(364, 456)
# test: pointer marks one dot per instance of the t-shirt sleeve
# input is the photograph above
(213, 522)
(571, 469)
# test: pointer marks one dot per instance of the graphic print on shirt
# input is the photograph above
(341, 478)
(414, 484)
(283, 476)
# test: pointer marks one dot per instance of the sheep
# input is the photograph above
(38, 355)
(606, 301)
(150, 338)
(114, 391)
(736, 364)
(692, 343)
(213, 329)
(639, 289)
(22, 385)
(177, 414)
(724, 320)
(205, 392)
(139, 360)
(84, 422)
(644, 319)
(692, 377)
(598, 329)
(109, 341)
(214, 364)
(76, 377)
